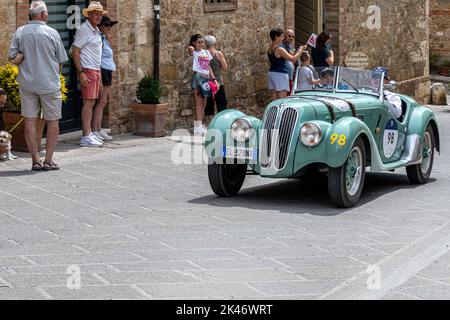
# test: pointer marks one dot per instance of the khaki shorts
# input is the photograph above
(51, 105)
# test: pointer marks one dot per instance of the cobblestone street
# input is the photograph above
(139, 227)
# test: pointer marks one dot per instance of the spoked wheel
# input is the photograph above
(226, 179)
(420, 173)
(345, 183)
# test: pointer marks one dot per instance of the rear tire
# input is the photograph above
(420, 173)
(226, 179)
(345, 184)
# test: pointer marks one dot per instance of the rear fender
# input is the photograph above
(419, 120)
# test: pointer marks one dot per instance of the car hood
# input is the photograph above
(313, 105)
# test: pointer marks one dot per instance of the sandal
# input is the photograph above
(37, 166)
(48, 166)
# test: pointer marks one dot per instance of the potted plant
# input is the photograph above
(150, 115)
(444, 68)
(12, 119)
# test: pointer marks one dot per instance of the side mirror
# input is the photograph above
(391, 85)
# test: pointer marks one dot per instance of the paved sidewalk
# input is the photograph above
(139, 227)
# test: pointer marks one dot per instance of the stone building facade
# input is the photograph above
(394, 34)
(440, 28)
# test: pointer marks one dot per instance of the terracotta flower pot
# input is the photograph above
(444, 71)
(10, 119)
(150, 119)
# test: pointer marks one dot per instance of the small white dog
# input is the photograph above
(5, 146)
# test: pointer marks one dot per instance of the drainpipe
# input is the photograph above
(157, 32)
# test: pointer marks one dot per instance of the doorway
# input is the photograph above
(308, 19)
(71, 109)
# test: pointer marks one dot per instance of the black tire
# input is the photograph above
(416, 173)
(337, 179)
(226, 179)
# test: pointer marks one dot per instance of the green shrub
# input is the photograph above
(434, 59)
(149, 90)
(446, 64)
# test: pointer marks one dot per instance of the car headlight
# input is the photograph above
(241, 130)
(310, 134)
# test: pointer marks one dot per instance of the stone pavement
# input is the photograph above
(137, 226)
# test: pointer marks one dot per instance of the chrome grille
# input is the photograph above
(266, 141)
(286, 128)
(277, 136)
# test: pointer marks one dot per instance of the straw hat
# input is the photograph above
(94, 6)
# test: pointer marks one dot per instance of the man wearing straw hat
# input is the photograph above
(87, 55)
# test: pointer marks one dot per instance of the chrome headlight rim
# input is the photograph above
(248, 129)
(319, 135)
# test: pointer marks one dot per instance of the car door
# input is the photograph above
(392, 136)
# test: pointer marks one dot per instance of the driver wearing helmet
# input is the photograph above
(395, 103)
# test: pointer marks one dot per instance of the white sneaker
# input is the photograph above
(205, 129)
(97, 136)
(198, 130)
(90, 141)
(105, 136)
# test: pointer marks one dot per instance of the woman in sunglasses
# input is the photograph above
(107, 68)
(279, 69)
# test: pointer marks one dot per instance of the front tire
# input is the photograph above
(420, 173)
(226, 179)
(345, 184)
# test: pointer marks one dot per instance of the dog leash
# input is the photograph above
(16, 125)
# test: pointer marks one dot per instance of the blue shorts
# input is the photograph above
(198, 80)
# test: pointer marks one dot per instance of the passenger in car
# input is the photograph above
(395, 102)
(305, 75)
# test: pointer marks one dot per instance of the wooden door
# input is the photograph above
(308, 19)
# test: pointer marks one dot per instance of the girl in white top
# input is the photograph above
(305, 75)
(202, 74)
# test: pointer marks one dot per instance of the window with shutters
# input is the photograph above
(219, 5)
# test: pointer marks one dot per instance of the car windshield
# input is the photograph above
(338, 79)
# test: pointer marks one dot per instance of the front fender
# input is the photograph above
(419, 120)
(348, 130)
(218, 131)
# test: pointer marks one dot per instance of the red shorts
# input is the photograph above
(92, 91)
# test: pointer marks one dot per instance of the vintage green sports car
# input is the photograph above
(341, 127)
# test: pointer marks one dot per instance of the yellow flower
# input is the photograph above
(8, 82)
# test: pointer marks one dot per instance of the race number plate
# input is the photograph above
(240, 153)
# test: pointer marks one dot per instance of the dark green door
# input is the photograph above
(71, 110)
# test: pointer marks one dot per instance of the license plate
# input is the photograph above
(240, 153)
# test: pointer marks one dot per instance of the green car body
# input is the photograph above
(345, 118)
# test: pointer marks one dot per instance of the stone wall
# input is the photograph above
(440, 27)
(331, 8)
(7, 27)
(397, 38)
(243, 36)
(132, 42)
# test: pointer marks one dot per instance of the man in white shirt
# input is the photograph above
(395, 102)
(87, 57)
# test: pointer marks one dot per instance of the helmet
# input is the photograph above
(379, 70)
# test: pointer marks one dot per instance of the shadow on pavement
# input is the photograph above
(12, 174)
(297, 196)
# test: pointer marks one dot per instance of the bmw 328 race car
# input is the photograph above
(341, 128)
